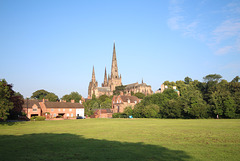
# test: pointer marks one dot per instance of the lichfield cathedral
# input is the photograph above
(111, 82)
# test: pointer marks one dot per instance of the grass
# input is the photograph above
(121, 139)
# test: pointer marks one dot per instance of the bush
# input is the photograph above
(38, 118)
(119, 115)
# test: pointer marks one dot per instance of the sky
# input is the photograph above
(54, 44)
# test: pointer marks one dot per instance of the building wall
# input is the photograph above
(34, 110)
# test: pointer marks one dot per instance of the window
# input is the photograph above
(70, 110)
(59, 109)
(52, 109)
(34, 109)
(67, 114)
(54, 115)
(71, 114)
(63, 110)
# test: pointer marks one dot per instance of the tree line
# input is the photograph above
(212, 98)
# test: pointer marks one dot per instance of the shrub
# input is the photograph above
(119, 115)
(38, 118)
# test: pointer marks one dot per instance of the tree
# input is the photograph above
(52, 97)
(236, 79)
(39, 94)
(10, 101)
(118, 89)
(18, 101)
(72, 96)
(150, 111)
(6, 104)
(212, 77)
(107, 103)
(139, 95)
(187, 80)
(128, 110)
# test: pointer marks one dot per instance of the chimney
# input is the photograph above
(121, 93)
(72, 101)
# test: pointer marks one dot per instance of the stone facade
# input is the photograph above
(142, 88)
(109, 83)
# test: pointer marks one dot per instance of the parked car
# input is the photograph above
(80, 117)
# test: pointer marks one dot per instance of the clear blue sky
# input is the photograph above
(53, 44)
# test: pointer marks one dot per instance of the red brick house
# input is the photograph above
(32, 108)
(102, 113)
(120, 102)
(51, 110)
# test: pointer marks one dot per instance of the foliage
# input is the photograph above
(236, 79)
(187, 80)
(119, 115)
(139, 95)
(212, 77)
(10, 101)
(37, 118)
(72, 96)
(197, 100)
(39, 94)
(6, 94)
(118, 89)
(128, 110)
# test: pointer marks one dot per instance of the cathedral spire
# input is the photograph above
(114, 71)
(105, 82)
(93, 75)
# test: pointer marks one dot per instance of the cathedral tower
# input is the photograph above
(105, 82)
(114, 80)
(92, 85)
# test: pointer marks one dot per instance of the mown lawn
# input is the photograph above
(121, 139)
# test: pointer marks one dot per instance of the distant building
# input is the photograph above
(163, 87)
(120, 102)
(111, 82)
(102, 113)
(142, 88)
(53, 109)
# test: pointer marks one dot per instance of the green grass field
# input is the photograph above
(121, 139)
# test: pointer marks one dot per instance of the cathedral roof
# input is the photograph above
(104, 89)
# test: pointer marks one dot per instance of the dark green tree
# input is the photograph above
(139, 95)
(212, 77)
(6, 104)
(118, 89)
(52, 97)
(236, 79)
(187, 80)
(39, 94)
(72, 96)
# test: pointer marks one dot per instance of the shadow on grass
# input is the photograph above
(47, 146)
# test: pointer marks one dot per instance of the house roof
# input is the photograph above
(126, 98)
(30, 103)
(107, 110)
(63, 105)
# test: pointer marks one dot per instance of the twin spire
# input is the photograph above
(114, 70)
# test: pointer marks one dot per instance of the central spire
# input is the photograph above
(93, 75)
(114, 71)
